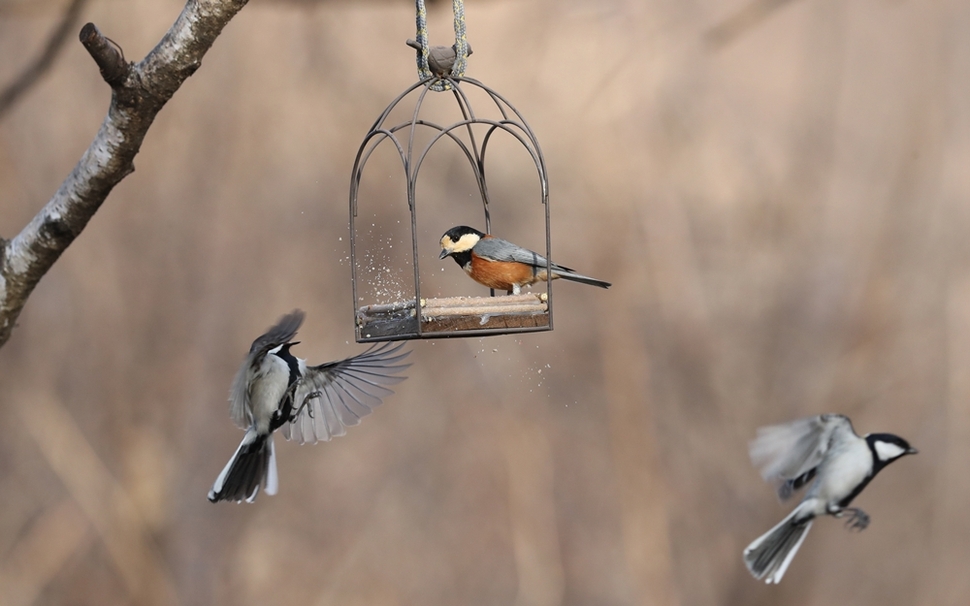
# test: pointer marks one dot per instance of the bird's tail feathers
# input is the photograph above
(251, 466)
(768, 556)
(571, 275)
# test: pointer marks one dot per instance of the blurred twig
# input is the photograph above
(103, 500)
(643, 490)
(32, 73)
(39, 556)
(139, 91)
(536, 547)
(741, 22)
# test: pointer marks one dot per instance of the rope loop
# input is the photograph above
(460, 47)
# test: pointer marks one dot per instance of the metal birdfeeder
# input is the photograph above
(402, 311)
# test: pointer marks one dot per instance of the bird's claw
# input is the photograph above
(305, 404)
(858, 521)
(291, 390)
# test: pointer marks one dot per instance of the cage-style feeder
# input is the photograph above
(409, 314)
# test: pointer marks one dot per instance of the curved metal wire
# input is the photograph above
(512, 122)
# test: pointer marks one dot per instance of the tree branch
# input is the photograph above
(108, 56)
(139, 91)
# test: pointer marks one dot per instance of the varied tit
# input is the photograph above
(502, 265)
(274, 389)
(824, 449)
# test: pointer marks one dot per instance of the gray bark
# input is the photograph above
(139, 91)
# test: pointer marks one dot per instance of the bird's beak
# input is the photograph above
(912, 451)
(444, 253)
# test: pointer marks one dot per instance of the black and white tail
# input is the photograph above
(568, 274)
(768, 556)
(253, 465)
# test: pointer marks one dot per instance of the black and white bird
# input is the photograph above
(824, 449)
(275, 389)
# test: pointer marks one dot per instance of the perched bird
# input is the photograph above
(824, 449)
(502, 265)
(274, 389)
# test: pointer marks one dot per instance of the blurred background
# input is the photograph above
(777, 190)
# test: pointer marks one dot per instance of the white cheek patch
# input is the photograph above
(887, 451)
(466, 242)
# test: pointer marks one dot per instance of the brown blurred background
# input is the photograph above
(779, 192)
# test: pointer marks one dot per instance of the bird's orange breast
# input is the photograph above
(500, 275)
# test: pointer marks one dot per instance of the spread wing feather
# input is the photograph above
(787, 454)
(349, 390)
(284, 330)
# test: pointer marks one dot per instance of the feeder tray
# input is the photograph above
(422, 318)
(466, 315)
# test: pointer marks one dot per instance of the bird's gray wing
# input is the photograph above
(498, 249)
(787, 454)
(285, 329)
(348, 391)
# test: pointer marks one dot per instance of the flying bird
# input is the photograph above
(275, 389)
(501, 265)
(825, 451)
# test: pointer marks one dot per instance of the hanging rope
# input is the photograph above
(460, 47)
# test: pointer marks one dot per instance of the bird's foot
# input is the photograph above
(291, 390)
(858, 521)
(306, 402)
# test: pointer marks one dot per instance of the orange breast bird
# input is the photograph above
(500, 264)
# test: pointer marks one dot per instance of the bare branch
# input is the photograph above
(139, 92)
(107, 54)
(32, 73)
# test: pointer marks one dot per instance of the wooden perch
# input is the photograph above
(139, 91)
(453, 314)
